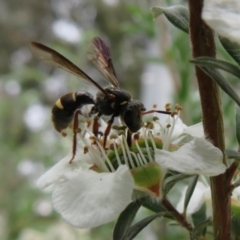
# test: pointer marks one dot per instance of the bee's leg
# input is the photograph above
(107, 131)
(96, 124)
(76, 130)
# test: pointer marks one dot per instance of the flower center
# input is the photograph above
(139, 156)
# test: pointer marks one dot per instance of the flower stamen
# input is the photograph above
(141, 153)
(105, 156)
(128, 152)
(146, 144)
(124, 154)
(116, 153)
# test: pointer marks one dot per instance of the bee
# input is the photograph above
(110, 101)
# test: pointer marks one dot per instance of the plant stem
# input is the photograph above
(179, 217)
(202, 40)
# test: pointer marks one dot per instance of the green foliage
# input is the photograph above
(125, 219)
(177, 15)
(191, 186)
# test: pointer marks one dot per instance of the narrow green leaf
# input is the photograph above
(222, 82)
(200, 228)
(177, 15)
(169, 182)
(200, 216)
(136, 228)
(153, 205)
(216, 63)
(191, 186)
(233, 154)
(232, 48)
(125, 219)
(237, 117)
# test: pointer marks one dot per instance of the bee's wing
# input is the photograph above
(100, 55)
(53, 58)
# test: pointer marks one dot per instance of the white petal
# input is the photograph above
(236, 193)
(63, 166)
(195, 130)
(179, 127)
(88, 199)
(224, 17)
(196, 157)
(196, 200)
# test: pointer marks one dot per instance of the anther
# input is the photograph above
(136, 136)
(115, 127)
(77, 130)
(154, 105)
(121, 132)
(151, 126)
(64, 134)
(173, 113)
(122, 128)
(100, 133)
(178, 107)
(85, 149)
(93, 138)
(113, 136)
(111, 146)
(155, 118)
(168, 125)
(167, 105)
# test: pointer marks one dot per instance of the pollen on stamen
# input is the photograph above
(155, 118)
(174, 113)
(121, 132)
(85, 149)
(149, 125)
(168, 125)
(63, 133)
(77, 130)
(113, 136)
(100, 133)
(136, 136)
(178, 107)
(168, 107)
(115, 127)
(93, 138)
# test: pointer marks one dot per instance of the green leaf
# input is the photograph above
(125, 219)
(216, 63)
(200, 216)
(233, 154)
(153, 205)
(169, 182)
(232, 48)
(237, 117)
(136, 228)
(191, 186)
(177, 15)
(200, 228)
(222, 82)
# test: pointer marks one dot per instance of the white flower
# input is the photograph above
(224, 17)
(99, 184)
(201, 195)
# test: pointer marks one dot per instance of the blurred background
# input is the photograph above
(151, 61)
